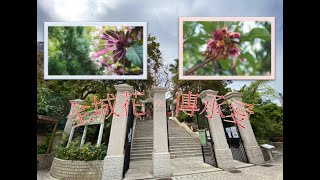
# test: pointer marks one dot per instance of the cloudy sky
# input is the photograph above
(162, 18)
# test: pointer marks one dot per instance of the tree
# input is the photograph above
(268, 117)
(253, 94)
(68, 51)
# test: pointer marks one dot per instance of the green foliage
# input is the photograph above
(260, 33)
(255, 45)
(185, 118)
(224, 64)
(267, 120)
(68, 49)
(42, 148)
(51, 104)
(87, 152)
(135, 54)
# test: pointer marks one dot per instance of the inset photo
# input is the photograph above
(95, 50)
(226, 48)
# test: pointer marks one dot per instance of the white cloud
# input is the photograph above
(76, 10)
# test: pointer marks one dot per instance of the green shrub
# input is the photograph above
(53, 104)
(87, 152)
(186, 118)
(42, 148)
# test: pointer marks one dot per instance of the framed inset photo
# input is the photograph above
(95, 50)
(226, 48)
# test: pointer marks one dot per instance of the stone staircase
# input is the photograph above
(182, 144)
(142, 141)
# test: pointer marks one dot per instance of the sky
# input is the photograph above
(162, 19)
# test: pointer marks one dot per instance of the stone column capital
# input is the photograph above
(235, 95)
(123, 88)
(204, 93)
(77, 101)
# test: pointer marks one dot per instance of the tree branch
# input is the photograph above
(191, 70)
(90, 92)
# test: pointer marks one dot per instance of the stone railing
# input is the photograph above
(186, 127)
(72, 170)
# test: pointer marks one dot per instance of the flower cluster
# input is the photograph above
(223, 44)
(109, 48)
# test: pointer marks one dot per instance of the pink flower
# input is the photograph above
(116, 43)
(219, 47)
(234, 52)
(233, 35)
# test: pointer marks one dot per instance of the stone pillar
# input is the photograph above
(160, 154)
(114, 161)
(251, 146)
(68, 126)
(143, 109)
(221, 148)
(172, 110)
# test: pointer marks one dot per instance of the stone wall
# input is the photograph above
(72, 170)
(44, 161)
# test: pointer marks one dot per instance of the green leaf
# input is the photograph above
(260, 33)
(245, 37)
(195, 39)
(209, 26)
(249, 57)
(135, 54)
(227, 23)
(220, 24)
(224, 63)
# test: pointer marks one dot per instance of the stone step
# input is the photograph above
(181, 137)
(184, 149)
(143, 136)
(179, 134)
(141, 148)
(184, 146)
(140, 158)
(143, 151)
(144, 129)
(183, 140)
(141, 155)
(186, 152)
(183, 143)
(142, 140)
(184, 155)
(144, 143)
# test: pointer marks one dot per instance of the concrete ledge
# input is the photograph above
(73, 170)
(113, 167)
(161, 164)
